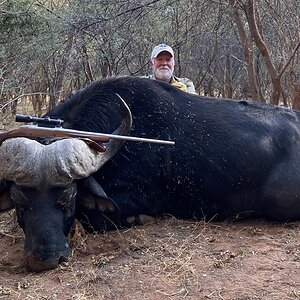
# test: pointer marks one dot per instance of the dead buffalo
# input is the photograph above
(230, 159)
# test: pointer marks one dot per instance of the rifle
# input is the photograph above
(47, 127)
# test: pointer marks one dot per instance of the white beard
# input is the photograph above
(163, 74)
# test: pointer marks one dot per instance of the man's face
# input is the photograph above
(163, 66)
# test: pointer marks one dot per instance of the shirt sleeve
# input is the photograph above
(190, 88)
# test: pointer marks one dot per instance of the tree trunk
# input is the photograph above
(251, 11)
(57, 83)
(253, 90)
(296, 95)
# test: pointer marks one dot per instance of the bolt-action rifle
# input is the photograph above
(47, 127)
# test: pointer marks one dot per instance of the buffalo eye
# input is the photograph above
(19, 197)
(67, 196)
(21, 202)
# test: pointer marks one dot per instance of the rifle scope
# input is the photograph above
(46, 121)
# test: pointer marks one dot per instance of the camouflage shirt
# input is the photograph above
(183, 84)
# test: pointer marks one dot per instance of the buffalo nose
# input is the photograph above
(37, 265)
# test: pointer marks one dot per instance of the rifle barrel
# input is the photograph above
(35, 131)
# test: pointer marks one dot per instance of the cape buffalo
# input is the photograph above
(230, 159)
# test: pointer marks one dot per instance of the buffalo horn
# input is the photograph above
(27, 162)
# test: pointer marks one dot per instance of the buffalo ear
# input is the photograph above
(92, 196)
(6, 202)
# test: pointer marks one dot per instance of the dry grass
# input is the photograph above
(168, 259)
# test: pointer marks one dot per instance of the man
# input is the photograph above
(162, 63)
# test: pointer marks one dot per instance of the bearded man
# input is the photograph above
(162, 64)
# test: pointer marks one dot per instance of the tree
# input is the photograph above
(49, 48)
(251, 11)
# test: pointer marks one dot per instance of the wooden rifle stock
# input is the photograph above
(33, 131)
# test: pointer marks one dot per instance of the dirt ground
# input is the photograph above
(167, 259)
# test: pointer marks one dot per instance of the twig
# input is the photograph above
(172, 294)
(10, 236)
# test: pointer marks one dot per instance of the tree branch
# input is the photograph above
(290, 59)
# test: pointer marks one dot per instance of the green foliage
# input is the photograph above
(18, 21)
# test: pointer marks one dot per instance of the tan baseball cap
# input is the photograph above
(160, 48)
